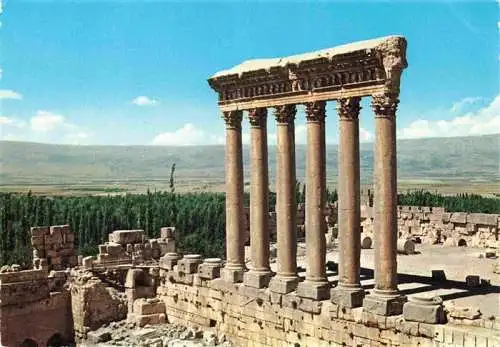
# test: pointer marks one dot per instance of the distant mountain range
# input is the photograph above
(469, 159)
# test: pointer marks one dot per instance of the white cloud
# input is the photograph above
(481, 122)
(188, 135)
(10, 94)
(45, 126)
(460, 105)
(45, 121)
(144, 101)
(11, 122)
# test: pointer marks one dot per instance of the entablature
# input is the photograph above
(357, 69)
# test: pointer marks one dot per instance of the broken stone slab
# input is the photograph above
(99, 336)
(461, 312)
(424, 310)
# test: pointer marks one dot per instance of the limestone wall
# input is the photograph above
(257, 317)
(436, 225)
(28, 309)
(53, 247)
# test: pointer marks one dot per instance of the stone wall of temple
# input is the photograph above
(194, 295)
(435, 225)
(53, 247)
(30, 310)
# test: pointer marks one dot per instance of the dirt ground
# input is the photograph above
(414, 275)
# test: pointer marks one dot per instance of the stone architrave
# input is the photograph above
(235, 243)
(260, 272)
(316, 285)
(286, 279)
(349, 292)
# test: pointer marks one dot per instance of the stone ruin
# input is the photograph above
(147, 283)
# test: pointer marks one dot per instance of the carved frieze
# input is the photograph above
(348, 108)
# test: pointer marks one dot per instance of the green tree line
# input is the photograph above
(199, 218)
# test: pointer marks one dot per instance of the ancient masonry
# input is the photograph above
(147, 282)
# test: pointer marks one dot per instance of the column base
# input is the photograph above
(256, 279)
(232, 275)
(384, 303)
(348, 296)
(424, 310)
(314, 290)
(283, 285)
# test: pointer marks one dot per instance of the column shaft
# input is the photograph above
(286, 204)
(349, 196)
(385, 299)
(259, 274)
(315, 193)
(235, 247)
(385, 200)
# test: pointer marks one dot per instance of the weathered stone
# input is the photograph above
(347, 297)
(314, 290)
(425, 310)
(405, 246)
(283, 285)
(384, 305)
(256, 279)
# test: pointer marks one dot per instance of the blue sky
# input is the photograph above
(134, 72)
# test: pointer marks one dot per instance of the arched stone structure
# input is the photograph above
(345, 74)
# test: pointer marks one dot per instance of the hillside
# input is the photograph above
(23, 164)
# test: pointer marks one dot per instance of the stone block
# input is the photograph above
(167, 232)
(39, 231)
(458, 218)
(189, 264)
(126, 236)
(347, 297)
(256, 279)
(152, 319)
(445, 217)
(310, 305)
(38, 242)
(384, 305)
(210, 269)
(113, 248)
(405, 246)
(148, 306)
(283, 285)
(483, 219)
(87, 262)
(424, 310)
(472, 281)
(169, 260)
(366, 242)
(460, 312)
(232, 275)
(314, 290)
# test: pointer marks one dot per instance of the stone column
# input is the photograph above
(286, 278)
(235, 243)
(385, 299)
(349, 292)
(316, 285)
(260, 272)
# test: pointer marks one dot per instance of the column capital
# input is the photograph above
(257, 116)
(385, 105)
(348, 108)
(232, 119)
(315, 111)
(285, 113)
